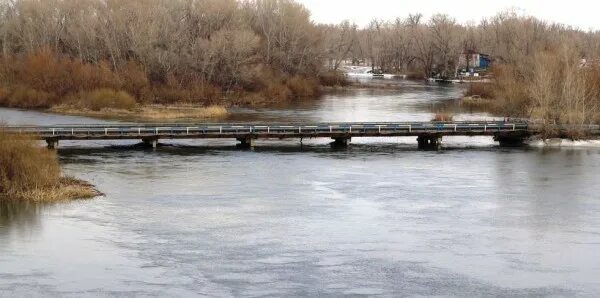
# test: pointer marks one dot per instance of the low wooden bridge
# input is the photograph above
(429, 134)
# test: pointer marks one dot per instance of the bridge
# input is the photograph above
(429, 134)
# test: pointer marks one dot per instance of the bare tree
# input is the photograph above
(339, 41)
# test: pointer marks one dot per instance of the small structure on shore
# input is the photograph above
(473, 64)
(472, 60)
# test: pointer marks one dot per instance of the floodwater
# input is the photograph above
(380, 218)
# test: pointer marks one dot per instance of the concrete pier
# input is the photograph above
(52, 143)
(340, 142)
(246, 143)
(429, 141)
(150, 142)
(511, 139)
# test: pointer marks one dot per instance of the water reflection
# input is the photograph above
(412, 101)
(19, 217)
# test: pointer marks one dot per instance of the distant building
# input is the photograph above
(472, 61)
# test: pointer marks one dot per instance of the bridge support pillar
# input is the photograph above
(150, 142)
(52, 143)
(511, 139)
(340, 142)
(245, 143)
(429, 142)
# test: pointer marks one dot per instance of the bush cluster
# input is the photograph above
(24, 166)
(45, 79)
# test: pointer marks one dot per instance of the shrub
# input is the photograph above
(303, 87)
(277, 92)
(333, 78)
(203, 93)
(24, 166)
(47, 78)
(44, 78)
(4, 93)
(104, 98)
(182, 89)
(165, 95)
(483, 90)
(133, 78)
(511, 91)
(25, 97)
(415, 75)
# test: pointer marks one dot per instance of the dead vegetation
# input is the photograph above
(149, 112)
(125, 54)
(29, 172)
(551, 87)
(67, 189)
(480, 90)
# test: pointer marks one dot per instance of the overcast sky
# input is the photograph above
(579, 13)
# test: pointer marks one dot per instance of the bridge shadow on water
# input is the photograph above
(84, 155)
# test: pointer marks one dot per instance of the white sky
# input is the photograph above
(584, 14)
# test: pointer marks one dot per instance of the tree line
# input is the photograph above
(540, 70)
(421, 46)
(158, 50)
(247, 51)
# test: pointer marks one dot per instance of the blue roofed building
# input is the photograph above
(473, 61)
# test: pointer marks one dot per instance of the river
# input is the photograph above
(380, 218)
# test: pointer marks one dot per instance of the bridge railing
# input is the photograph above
(273, 124)
(268, 129)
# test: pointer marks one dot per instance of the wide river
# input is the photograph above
(380, 218)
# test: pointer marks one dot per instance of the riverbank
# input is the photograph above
(68, 189)
(29, 172)
(148, 112)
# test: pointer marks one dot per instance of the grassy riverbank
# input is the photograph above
(67, 189)
(50, 81)
(552, 86)
(147, 113)
(32, 173)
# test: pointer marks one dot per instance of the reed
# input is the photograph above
(149, 112)
(25, 166)
(482, 90)
(30, 172)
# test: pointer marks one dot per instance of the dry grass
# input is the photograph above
(25, 166)
(181, 112)
(333, 79)
(412, 75)
(549, 86)
(149, 112)
(68, 189)
(303, 87)
(482, 90)
(29, 172)
(46, 79)
(104, 98)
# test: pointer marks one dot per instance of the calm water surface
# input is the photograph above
(201, 218)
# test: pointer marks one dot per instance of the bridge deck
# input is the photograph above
(429, 133)
(317, 130)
